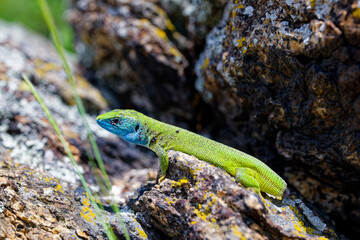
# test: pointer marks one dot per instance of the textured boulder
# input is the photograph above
(39, 198)
(286, 74)
(283, 74)
(23, 51)
(200, 201)
(35, 205)
(126, 46)
(25, 133)
(194, 19)
(141, 53)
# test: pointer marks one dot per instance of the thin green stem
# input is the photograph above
(53, 123)
(59, 47)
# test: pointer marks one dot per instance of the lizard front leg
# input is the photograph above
(164, 160)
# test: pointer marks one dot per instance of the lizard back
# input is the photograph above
(218, 154)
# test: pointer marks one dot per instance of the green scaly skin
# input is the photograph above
(160, 137)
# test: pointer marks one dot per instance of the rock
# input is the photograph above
(200, 201)
(286, 77)
(27, 137)
(140, 53)
(126, 46)
(23, 51)
(194, 19)
(297, 99)
(35, 205)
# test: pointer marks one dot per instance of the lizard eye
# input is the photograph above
(137, 128)
(114, 121)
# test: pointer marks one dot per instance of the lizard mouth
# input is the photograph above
(105, 124)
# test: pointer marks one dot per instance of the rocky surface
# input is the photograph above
(194, 19)
(25, 133)
(35, 205)
(38, 196)
(200, 201)
(283, 74)
(38, 57)
(126, 46)
(286, 75)
(141, 53)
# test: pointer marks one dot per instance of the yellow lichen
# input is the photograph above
(86, 211)
(233, 14)
(59, 188)
(237, 233)
(240, 42)
(175, 52)
(356, 13)
(179, 183)
(161, 34)
(42, 68)
(87, 214)
(200, 214)
(183, 180)
(298, 227)
(169, 201)
(193, 172)
(241, 6)
(313, 3)
(170, 25)
(141, 233)
(207, 208)
(205, 64)
(193, 222)
(204, 197)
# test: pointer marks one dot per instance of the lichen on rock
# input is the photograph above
(200, 201)
(285, 74)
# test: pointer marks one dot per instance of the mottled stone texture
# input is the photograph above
(35, 205)
(287, 73)
(200, 201)
(194, 19)
(141, 56)
(26, 135)
(39, 198)
(23, 51)
(125, 45)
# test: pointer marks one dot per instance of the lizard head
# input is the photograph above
(127, 124)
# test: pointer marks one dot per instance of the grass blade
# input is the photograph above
(59, 47)
(53, 123)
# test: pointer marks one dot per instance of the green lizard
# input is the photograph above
(137, 128)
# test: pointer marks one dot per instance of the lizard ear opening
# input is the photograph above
(137, 127)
